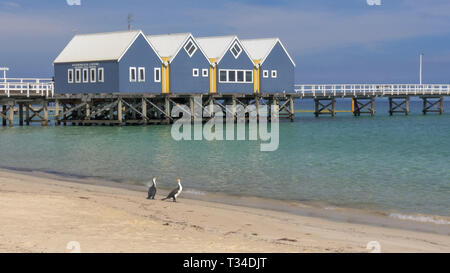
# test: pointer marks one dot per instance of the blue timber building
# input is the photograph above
(131, 62)
(185, 66)
(232, 67)
(108, 63)
(275, 70)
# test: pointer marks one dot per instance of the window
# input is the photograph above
(236, 50)
(101, 74)
(85, 75)
(222, 75)
(93, 75)
(274, 74)
(190, 48)
(235, 76)
(195, 72)
(157, 74)
(132, 74)
(141, 74)
(78, 75)
(248, 76)
(265, 73)
(231, 75)
(70, 76)
(240, 76)
(205, 72)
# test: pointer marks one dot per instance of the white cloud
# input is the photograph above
(9, 4)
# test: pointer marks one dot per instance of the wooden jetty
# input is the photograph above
(32, 99)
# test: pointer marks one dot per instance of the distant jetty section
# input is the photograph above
(32, 100)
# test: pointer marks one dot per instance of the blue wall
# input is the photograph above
(278, 60)
(229, 62)
(140, 54)
(181, 79)
(110, 85)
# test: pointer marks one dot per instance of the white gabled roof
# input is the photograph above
(108, 46)
(259, 49)
(168, 45)
(216, 47)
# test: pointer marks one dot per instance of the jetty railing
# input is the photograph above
(28, 86)
(347, 90)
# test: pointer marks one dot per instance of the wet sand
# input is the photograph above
(44, 214)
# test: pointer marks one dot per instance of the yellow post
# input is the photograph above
(213, 76)
(257, 77)
(165, 71)
(353, 105)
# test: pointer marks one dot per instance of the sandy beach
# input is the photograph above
(40, 214)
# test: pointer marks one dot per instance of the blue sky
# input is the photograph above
(332, 41)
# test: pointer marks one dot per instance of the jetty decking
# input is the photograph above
(32, 100)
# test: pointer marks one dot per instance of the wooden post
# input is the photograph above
(4, 113)
(88, 111)
(167, 103)
(144, 111)
(292, 108)
(333, 107)
(65, 116)
(45, 108)
(275, 102)
(257, 106)
(372, 106)
(20, 114)
(235, 108)
(211, 107)
(424, 105)
(27, 114)
(119, 111)
(407, 106)
(191, 106)
(11, 114)
(56, 113)
(390, 106)
(316, 107)
(441, 105)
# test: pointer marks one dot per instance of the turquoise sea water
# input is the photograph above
(389, 164)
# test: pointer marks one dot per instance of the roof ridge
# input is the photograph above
(169, 34)
(108, 32)
(212, 37)
(254, 39)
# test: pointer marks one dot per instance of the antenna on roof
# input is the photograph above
(130, 20)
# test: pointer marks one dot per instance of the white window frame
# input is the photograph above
(236, 77)
(93, 77)
(265, 73)
(205, 72)
(101, 71)
(85, 73)
(157, 71)
(195, 72)
(274, 74)
(78, 73)
(141, 79)
(70, 73)
(240, 47)
(187, 50)
(245, 76)
(133, 69)
(226, 75)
